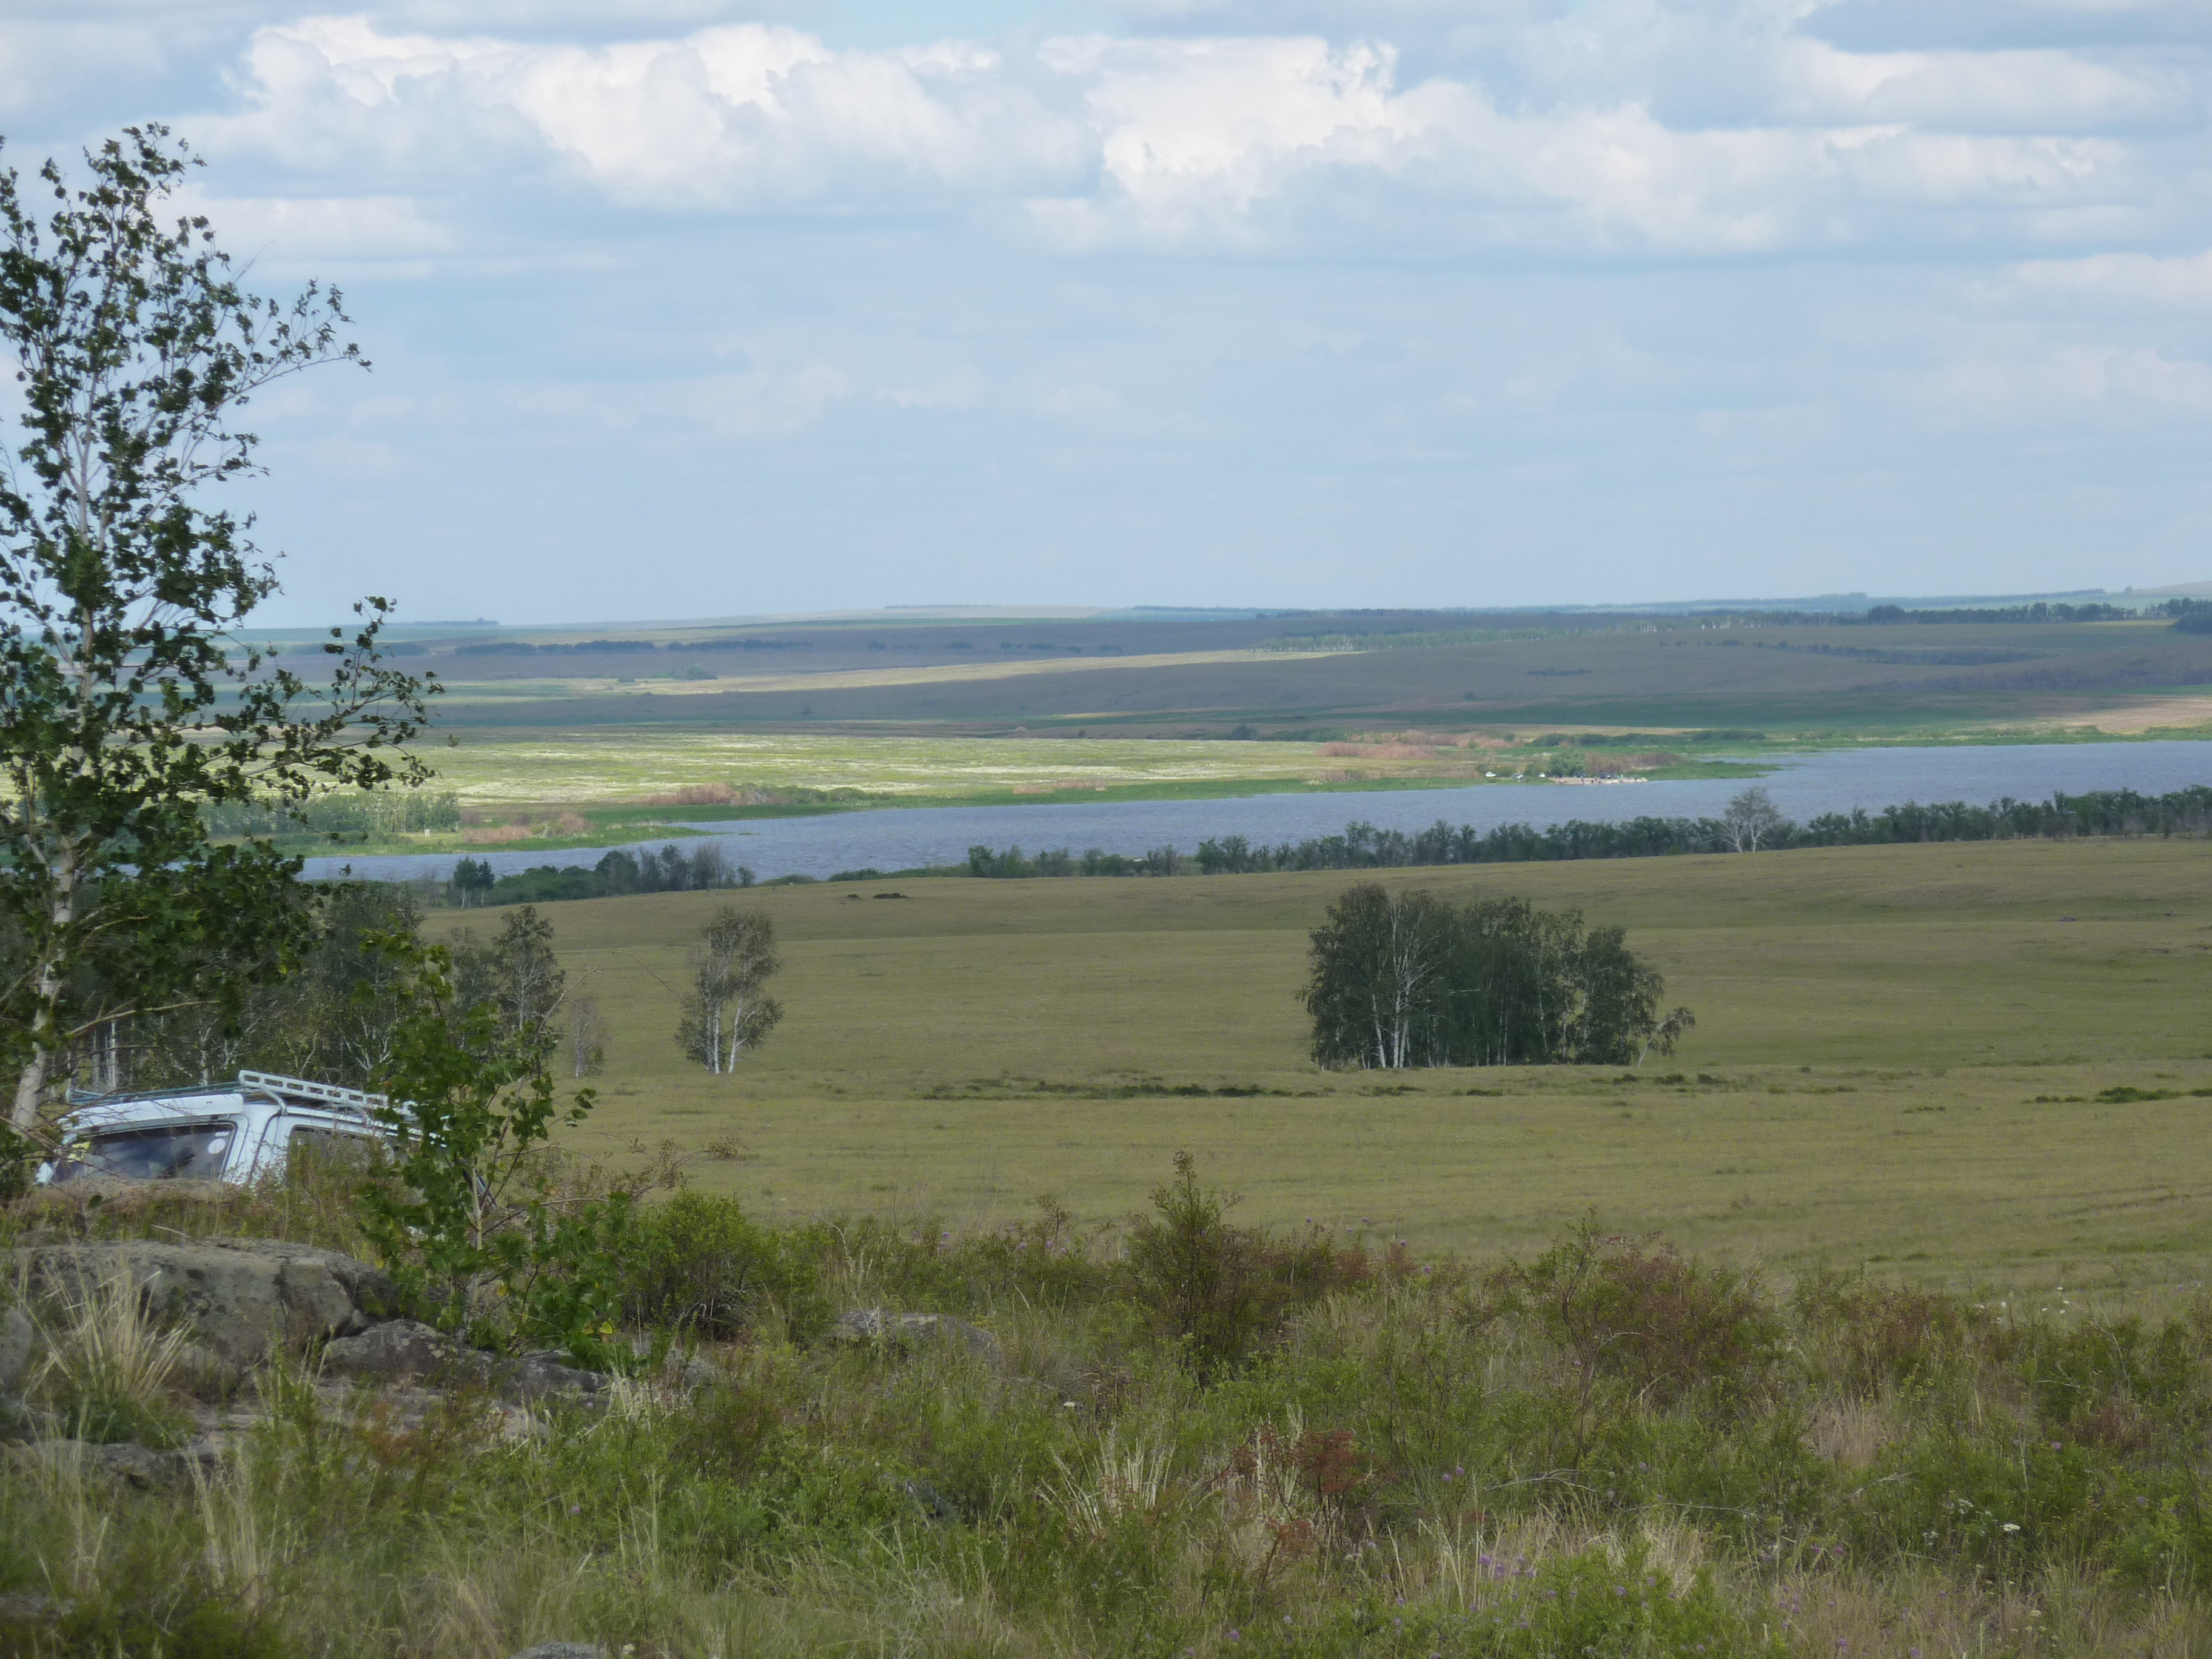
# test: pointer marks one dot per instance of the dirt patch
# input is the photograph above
(2146, 716)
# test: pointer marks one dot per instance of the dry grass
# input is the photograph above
(1875, 1025)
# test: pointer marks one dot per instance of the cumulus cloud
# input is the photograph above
(734, 116)
(1268, 139)
(293, 229)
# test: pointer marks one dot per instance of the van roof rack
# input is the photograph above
(296, 1088)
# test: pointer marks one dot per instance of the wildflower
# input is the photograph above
(1234, 1635)
(2012, 1526)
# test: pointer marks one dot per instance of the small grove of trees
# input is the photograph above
(334, 1017)
(671, 870)
(1011, 863)
(728, 1009)
(1408, 979)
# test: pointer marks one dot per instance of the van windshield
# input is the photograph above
(168, 1151)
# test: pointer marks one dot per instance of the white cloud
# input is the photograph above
(2182, 280)
(747, 404)
(291, 230)
(1263, 140)
(2068, 382)
(744, 115)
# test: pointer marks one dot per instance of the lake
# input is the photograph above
(1803, 786)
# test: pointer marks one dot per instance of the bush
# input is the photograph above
(1642, 1312)
(702, 1265)
(1215, 1290)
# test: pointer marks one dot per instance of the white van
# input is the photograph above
(228, 1131)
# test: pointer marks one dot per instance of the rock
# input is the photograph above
(564, 1650)
(241, 1297)
(535, 1375)
(910, 1331)
(17, 1337)
(404, 1350)
(141, 1467)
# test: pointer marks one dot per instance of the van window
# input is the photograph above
(168, 1151)
(311, 1145)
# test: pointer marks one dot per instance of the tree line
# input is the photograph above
(1362, 846)
(671, 870)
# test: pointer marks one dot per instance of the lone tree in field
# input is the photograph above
(127, 703)
(728, 1009)
(1750, 819)
(1407, 979)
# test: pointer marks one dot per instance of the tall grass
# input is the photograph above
(1607, 1448)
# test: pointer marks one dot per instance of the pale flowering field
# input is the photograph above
(600, 768)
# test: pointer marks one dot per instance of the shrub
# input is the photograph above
(1214, 1290)
(1642, 1312)
(701, 1265)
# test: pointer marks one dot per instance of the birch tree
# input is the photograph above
(728, 1009)
(1750, 819)
(128, 701)
(1409, 980)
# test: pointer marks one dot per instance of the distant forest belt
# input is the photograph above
(2115, 812)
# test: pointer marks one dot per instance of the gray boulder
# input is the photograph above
(535, 1375)
(141, 1467)
(17, 1337)
(406, 1351)
(241, 1297)
(908, 1332)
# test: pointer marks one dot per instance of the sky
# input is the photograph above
(688, 308)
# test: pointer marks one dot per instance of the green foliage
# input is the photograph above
(701, 1266)
(124, 713)
(1408, 979)
(1591, 1602)
(1214, 1290)
(728, 1012)
(204, 1623)
(470, 1221)
(1637, 1310)
(1416, 1464)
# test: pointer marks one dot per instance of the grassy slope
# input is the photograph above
(1932, 991)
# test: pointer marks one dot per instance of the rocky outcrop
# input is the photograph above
(148, 1468)
(241, 1298)
(908, 1332)
(405, 1352)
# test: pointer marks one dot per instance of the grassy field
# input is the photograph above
(1876, 1026)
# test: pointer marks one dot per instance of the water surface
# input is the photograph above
(897, 838)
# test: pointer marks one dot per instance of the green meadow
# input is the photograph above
(1898, 1060)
